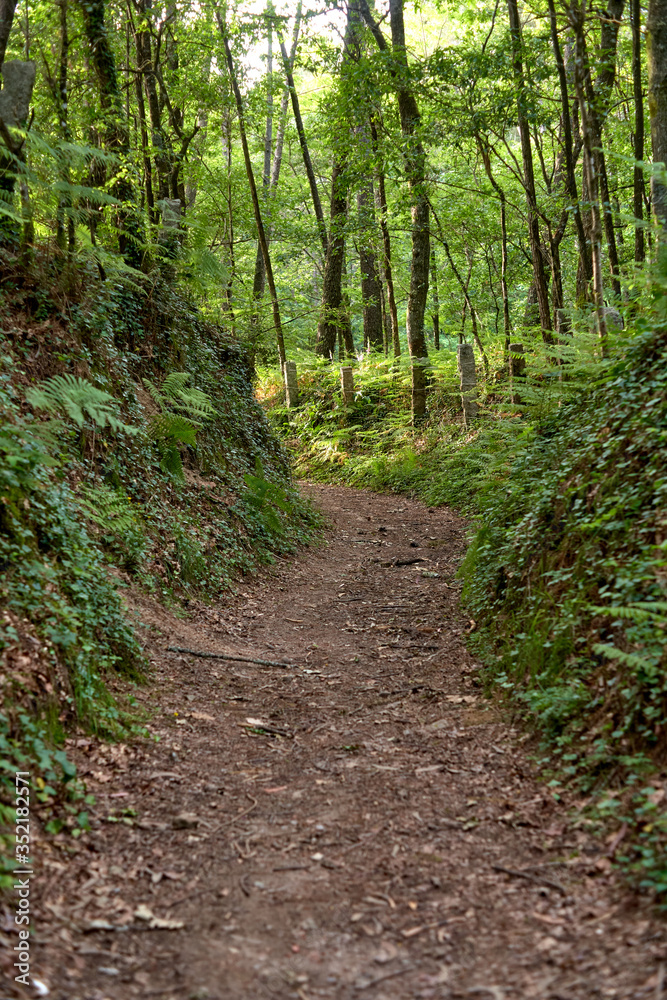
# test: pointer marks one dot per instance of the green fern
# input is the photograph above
(184, 411)
(638, 611)
(79, 400)
(264, 496)
(108, 509)
(626, 659)
(174, 394)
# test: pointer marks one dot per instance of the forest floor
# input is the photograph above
(362, 824)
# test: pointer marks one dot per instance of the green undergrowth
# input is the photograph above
(133, 453)
(566, 572)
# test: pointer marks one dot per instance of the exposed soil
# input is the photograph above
(360, 824)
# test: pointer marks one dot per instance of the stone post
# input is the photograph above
(170, 223)
(347, 384)
(291, 384)
(466, 360)
(18, 81)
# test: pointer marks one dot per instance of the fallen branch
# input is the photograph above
(538, 879)
(228, 656)
(382, 979)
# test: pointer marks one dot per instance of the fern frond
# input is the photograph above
(626, 659)
(78, 399)
(172, 427)
(638, 611)
(107, 508)
(171, 462)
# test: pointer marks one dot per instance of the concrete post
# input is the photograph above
(18, 81)
(291, 384)
(466, 360)
(347, 384)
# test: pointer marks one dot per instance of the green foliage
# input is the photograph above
(183, 411)
(78, 399)
(264, 496)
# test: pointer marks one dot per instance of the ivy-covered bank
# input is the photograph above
(132, 453)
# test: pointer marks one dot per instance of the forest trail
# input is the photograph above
(351, 842)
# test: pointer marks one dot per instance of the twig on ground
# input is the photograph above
(387, 975)
(538, 879)
(229, 656)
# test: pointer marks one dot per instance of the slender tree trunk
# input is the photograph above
(307, 162)
(259, 278)
(415, 168)
(116, 130)
(65, 236)
(332, 312)
(386, 241)
(638, 94)
(486, 159)
(656, 47)
(371, 290)
(436, 300)
(282, 121)
(253, 193)
(229, 222)
(7, 9)
(539, 275)
(161, 151)
(566, 125)
(467, 305)
(577, 21)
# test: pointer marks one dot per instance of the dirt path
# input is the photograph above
(350, 843)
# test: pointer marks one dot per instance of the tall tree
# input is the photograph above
(539, 274)
(415, 169)
(656, 48)
(261, 233)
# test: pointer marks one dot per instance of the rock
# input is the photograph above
(185, 821)
(18, 82)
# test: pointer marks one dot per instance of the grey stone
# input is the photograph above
(291, 383)
(18, 81)
(171, 213)
(613, 318)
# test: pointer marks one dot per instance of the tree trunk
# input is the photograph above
(7, 8)
(65, 235)
(253, 193)
(307, 162)
(332, 312)
(436, 300)
(386, 242)
(259, 278)
(116, 131)
(486, 159)
(577, 21)
(282, 121)
(638, 94)
(539, 275)
(371, 290)
(656, 47)
(566, 125)
(161, 152)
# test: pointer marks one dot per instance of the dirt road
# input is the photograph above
(361, 824)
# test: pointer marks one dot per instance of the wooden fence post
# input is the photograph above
(347, 384)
